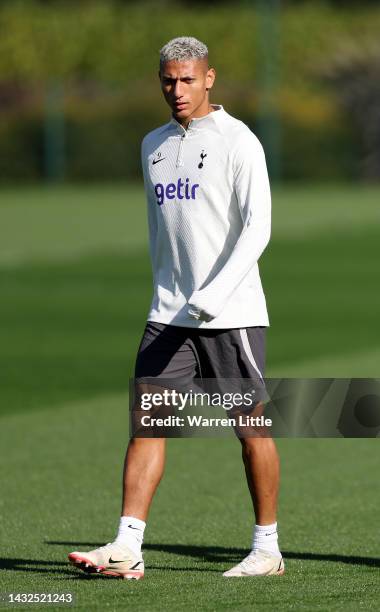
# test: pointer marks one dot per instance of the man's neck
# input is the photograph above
(185, 123)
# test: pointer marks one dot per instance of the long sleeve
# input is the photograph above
(151, 211)
(252, 190)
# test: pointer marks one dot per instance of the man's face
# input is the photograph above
(185, 86)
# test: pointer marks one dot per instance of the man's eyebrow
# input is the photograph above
(170, 78)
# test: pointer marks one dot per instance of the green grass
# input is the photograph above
(76, 286)
(62, 493)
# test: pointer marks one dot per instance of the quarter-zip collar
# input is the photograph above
(198, 123)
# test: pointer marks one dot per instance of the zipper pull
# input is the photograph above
(179, 162)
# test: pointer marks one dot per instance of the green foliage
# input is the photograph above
(116, 42)
(355, 74)
(110, 42)
(115, 46)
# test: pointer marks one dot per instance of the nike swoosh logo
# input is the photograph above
(135, 566)
(130, 527)
(110, 560)
(155, 161)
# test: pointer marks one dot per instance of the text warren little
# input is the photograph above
(199, 421)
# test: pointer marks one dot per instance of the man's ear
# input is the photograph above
(210, 78)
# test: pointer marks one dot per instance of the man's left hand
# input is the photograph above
(198, 314)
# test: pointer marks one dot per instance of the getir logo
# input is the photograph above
(181, 190)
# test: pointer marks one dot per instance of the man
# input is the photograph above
(209, 221)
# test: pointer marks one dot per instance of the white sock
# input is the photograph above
(265, 538)
(131, 534)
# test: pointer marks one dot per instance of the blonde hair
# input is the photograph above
(183, 48)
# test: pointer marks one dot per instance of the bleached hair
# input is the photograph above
(183, 48)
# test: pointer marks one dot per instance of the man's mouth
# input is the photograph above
(180, 105)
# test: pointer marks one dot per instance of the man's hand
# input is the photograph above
(198, 314)
(201, 307)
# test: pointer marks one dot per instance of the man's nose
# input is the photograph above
(178, 89)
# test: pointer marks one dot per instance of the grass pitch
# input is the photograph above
(76, 288)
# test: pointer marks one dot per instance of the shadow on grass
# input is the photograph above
(40, 566)
(63, 568)
(35, 565)
(221, 554)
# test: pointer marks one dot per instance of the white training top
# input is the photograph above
(209, 212)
